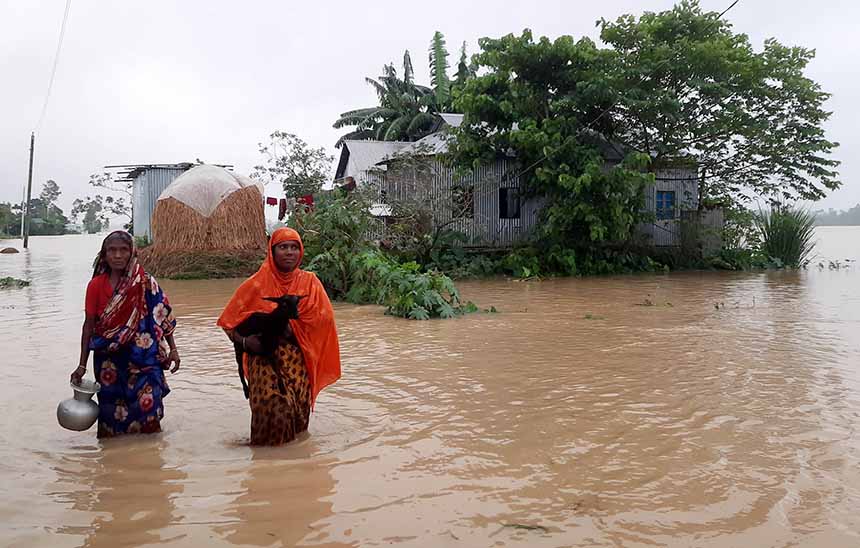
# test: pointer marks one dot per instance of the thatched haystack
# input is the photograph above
(208, 223)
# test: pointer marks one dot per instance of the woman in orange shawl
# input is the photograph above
(307, 357)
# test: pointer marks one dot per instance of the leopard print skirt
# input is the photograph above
(278, 417)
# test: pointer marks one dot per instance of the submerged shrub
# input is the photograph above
(12, 283)
(353, 268)
(787, 235)
(403, 289)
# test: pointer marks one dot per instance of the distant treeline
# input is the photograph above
(831, 217)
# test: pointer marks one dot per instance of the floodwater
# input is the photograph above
(726, 413)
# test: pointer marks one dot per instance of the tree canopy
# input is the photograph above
(292, 163)
(46, 218)
(685, 84)
(10, 218)
(535, 100)
(675, 86)
(93, 212)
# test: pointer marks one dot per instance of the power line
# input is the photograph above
(56, 61)
(725, 11)
(25, 206)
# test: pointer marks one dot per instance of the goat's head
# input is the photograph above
(287, 304)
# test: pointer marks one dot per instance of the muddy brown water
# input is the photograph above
(726, 413)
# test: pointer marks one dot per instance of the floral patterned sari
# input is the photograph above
(130, 351)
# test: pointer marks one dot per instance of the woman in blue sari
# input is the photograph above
(129, 327)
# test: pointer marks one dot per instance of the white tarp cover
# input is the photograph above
(204, 187)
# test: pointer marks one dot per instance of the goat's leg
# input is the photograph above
(239, 358)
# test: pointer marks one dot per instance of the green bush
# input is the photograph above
(787, 235)
(352, 268)
(738, 258)
(403, 289)
(334, 233)
(533, 261)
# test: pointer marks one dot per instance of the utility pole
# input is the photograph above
(23, 203)
(26, 212)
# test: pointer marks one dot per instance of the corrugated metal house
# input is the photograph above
(148, 181)
(359, 157)
(486, 206)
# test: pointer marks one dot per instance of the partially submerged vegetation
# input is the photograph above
(787, 235)
(354, 268)
(12, 283)
(669, 89)
(781, 237)
(662, 90)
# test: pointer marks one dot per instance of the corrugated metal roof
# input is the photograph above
(435, 143)
(129, 172)
(453, 120)
(364, 155)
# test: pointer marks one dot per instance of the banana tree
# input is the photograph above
(405, 111)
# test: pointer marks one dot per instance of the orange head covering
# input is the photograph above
(314, 330)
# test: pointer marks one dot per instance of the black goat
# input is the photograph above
(270, 327)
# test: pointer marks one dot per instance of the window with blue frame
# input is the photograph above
(665, 204)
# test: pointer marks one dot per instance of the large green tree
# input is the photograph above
(50, 192)
(676, 86)
(93, 212)
(685, 84)
(47, 202)
(536, 99)
(46, 218)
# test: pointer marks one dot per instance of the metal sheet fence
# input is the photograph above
(146, 189)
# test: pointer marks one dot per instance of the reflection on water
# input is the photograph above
(706, 409)
(127, 488)
(257, 514)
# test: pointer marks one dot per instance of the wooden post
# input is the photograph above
(26, 211)
(23, 205)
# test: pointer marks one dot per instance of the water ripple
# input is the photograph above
(698, 409)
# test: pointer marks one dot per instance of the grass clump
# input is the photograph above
(787, 235)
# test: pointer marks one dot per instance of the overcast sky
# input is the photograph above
(162, 82)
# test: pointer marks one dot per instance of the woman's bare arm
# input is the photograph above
(86, 334)
(174, 353)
